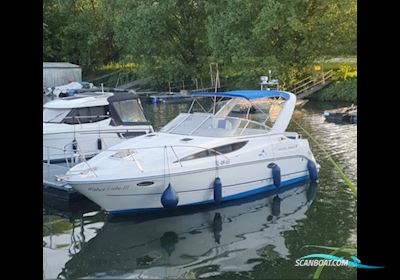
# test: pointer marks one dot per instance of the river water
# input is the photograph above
(257, 238)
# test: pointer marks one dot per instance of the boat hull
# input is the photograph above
(57, 146)
(238, 181)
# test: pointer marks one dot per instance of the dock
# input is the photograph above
(311, 84)
(170, 98)
(53, 188)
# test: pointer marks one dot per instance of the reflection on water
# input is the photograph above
(257, 238)
(200, 242)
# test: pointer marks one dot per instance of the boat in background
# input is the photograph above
(344, 114)
(201, 157)
(85, 124)
(68, 89)
(353, 115)
(171, 97)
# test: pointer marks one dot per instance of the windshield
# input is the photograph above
(227, 117)
(54, 115)
(129, 111)
(209, 125)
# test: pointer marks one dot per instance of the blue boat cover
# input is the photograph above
(248, 94)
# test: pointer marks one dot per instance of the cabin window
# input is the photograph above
(224, 149)
(129, 111)
(131, 134)
(54, 115)
(98, 113)
(87, 115)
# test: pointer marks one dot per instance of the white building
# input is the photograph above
(60, 73)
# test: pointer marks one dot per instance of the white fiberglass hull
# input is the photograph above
(58, 139)
(118, 197)
(246, 174)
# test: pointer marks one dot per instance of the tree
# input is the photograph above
(166, 37)
(175, 40)
(80, 32)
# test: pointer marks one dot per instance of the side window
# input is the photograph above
(197, 155)
(83, 114)
(98, 113)
(86, 115)
(71, 117)
(225, 149)
(238, 145)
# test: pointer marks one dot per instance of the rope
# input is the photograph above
(337, 167)
(169, 172)
(164, 157)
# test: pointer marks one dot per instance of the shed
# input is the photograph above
(60, 73)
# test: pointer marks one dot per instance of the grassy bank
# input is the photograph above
(234, 77)
(338, 90)
(344, 85)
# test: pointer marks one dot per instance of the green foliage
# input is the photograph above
(54, 225)
(285, 36)
(79, 32)
(175, 40)
(166, 37)
(339, 90)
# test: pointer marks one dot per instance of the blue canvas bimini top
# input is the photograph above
(248, 94)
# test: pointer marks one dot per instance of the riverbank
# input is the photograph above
(339, 90)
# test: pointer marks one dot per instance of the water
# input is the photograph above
(257, 238)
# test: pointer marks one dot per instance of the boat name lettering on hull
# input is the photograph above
(110, 188)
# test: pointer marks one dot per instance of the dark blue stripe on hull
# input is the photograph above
(285, 185)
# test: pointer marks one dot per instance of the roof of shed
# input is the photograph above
(59, 65)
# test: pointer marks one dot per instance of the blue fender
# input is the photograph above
(169, 198)
(217, 190)
(276, 174)
(312, 170)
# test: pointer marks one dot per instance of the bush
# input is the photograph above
(339, 90)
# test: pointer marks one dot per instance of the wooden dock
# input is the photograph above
(311, 84)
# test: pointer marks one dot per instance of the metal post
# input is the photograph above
(211, 75)
(217, 85)
(218, 81)
(48, 156)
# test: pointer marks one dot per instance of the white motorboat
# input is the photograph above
(201, 157)
(85, 124)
